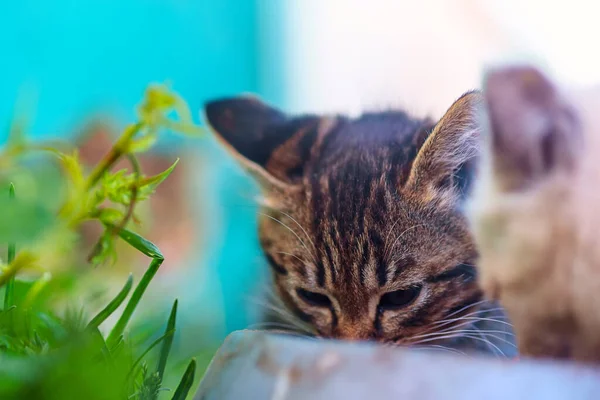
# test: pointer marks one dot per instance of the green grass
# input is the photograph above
(49, 347)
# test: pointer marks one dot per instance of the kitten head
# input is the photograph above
(535, 213)
(361, 219)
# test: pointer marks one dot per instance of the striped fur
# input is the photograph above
(357, 208)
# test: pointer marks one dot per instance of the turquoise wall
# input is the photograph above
(85, 56)
(82, 56)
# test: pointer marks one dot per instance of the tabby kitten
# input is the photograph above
(535, 212)
(361, 221)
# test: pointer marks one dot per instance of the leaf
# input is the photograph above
(158, 100)
(182, 109)
(113, 305)
(73, 168)
(187, 129)
(166, 347)
(187, 380)
(142, 144)
(105, 250)
(147, 186)
(119, 327)
(110, 215)
(117, 187)
(22, 260)
(143, 245)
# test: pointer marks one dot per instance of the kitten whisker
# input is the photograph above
(467, 307)
(400, 236)
(487, 342)
(444, 322)
(387, 237)
(269, 325)
(302, 228)
(311, 254)
(460, 333)
(466, 317)
(484, 336)
(286, 315)
(294, 333)
(440, 347)
(454, 336)
(480, 319)
(477, 311)
(472, 321)
(297, 223)
(445, 330)
(295, 256)
(491, 333)
(453, 329)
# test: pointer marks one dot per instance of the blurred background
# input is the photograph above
(79, 68)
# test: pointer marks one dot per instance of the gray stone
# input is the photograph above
(257, 365)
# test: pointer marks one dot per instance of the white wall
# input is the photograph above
(352, 55)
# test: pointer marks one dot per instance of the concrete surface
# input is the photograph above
(257, 365)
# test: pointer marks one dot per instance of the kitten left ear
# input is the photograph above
(446, 161)
(272, 146)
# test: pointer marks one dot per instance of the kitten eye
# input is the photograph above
(399, 298)
(312, 298)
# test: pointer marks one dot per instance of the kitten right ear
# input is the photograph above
(273, 147)
(533, 131)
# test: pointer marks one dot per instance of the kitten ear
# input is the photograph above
(273, 147)
(446, 161)
(533, 131)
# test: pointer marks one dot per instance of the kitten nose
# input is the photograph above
(353, 332)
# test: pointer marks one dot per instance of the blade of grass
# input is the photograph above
(153, 345)
(187, 380)
(117, 347)
(10, 285)
(166, 347)
(113, 305)
(119, 328)
(100, 344)
(141, 244)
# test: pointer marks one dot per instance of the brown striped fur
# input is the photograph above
(357, 208)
